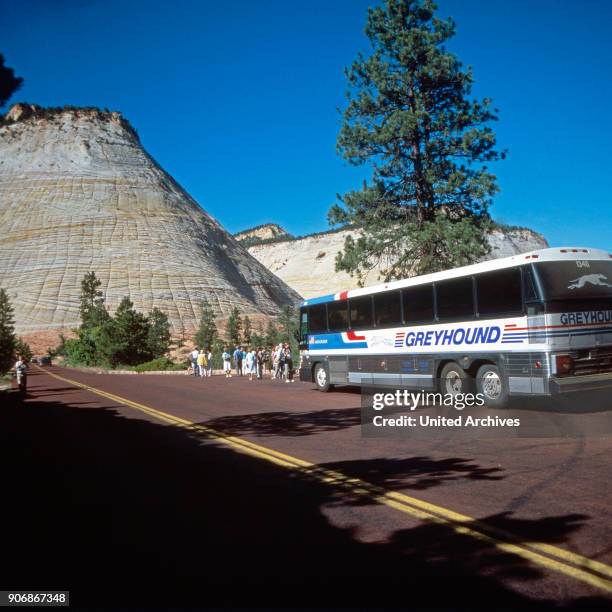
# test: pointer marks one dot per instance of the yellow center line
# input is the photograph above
(595, 573)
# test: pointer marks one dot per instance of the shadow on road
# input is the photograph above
(123, 511)
(287, 423)
(415, 473)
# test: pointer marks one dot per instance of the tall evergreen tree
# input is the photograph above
(288, 322)
(410, 114)
(124, 339)
(233, 328)
(158, 334)
(247, 330)
(207, 331)
(7, 332)
(92, 307)
(9, 83)
(23, 348)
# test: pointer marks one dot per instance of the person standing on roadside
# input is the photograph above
(288, 364)
(238, 360)
(193, 358)
(21, 373)
(250, 363)
(202, 363)
(209, 363)
(227, 363)
(280, 370)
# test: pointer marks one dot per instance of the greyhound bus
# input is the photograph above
(538, 323)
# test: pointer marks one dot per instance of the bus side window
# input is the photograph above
(455, 299)
(499, 292)
(418, 304)
(360, 310)
(530, 291)
(337, 315)
(317, 319)
(303, 323)
(387, 309)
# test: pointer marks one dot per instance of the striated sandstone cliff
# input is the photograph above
(78, 192)
(308, 264)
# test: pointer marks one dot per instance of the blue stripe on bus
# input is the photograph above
(319, 300)
(332, 341)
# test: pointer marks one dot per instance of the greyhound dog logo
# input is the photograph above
(591, 279)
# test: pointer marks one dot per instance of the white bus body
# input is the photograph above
(538, 323)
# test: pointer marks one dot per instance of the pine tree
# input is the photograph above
(23, 348)
(207, 331)
(124, 340)
(158, 335)
(233, 327)
(92, 307)
(272, 335)
(9, 83)
(7, 332)
(247, 330)
(410, 114)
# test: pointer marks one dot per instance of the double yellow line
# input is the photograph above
(581, 568)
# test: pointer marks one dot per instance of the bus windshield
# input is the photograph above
(571, 280)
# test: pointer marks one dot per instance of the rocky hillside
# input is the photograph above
(307, 264)
(77, 193)
(261, 233)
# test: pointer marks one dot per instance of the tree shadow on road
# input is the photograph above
(287, 423)
(131, 512)
(416, 473)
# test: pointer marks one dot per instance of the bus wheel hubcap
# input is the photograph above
(454, 383)
(491, 385)
(321, 378)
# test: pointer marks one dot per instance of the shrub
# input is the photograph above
(160, 364)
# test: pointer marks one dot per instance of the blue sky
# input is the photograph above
(238, 100)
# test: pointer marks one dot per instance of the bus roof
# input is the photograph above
(550, 254)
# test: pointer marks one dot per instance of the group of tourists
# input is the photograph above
(256, 363)
(201, 362)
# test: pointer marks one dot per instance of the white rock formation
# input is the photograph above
(79, 193)
(308, 264)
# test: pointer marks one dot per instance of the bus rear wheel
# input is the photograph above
(491, 384)
(321, 377)
(454, 379)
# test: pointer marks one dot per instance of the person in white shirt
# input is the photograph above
(209, 365)
(193, 357)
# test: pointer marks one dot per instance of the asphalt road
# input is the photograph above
(176, 490)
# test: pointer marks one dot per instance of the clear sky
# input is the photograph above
(238, 100)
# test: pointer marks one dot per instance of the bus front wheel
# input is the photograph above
(321, 377)
(491, 384)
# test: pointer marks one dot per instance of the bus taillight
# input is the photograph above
(565, 364)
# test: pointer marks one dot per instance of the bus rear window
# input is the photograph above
(387, 309)
(337, 315)
(575, 280)
(317, 319)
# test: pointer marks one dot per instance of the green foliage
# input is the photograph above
(129, 338)
(158, 334)
(247, 330)
(93, 312)
(160, 364)
(207, 331)
(233, 328)
(7, 332)
(272, 335)
(23, 348)
(410, 114)
(288, 321)
(9, 83)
